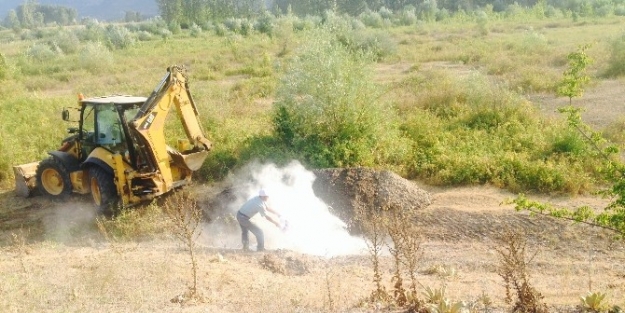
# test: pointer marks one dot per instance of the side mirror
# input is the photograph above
(65, 115)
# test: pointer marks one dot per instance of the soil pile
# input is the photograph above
(348, 190)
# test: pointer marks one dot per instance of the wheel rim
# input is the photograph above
(52, 181)
(95, 191)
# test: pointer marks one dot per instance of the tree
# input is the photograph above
(12, 21)
(170, 10)
(575, 78)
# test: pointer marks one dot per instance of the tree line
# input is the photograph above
(186, 12)
(197, 11)
(33, 15)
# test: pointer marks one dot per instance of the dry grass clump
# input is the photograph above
(186, 217)
(514, 269)
(405, 249)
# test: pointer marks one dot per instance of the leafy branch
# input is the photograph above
(612, 217)
(575, 78)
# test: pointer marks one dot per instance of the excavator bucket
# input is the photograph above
(25, 181)
(190, 160)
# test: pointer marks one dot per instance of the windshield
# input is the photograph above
(108, 125)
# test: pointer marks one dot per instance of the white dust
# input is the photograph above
(312, 229)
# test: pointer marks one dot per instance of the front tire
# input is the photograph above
(53, 179)
(103, 190)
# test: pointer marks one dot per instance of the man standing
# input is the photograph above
(255, 205)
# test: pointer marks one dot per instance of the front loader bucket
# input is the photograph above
(25, 180)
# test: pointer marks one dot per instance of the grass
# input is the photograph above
(234, 79)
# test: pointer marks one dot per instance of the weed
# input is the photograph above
(514, 269)
(185, 217)
(593, 302)
(396, 250)
(446, 306)
(374, 238)
(435, 295)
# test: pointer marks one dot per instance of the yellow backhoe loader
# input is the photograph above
(118, 152)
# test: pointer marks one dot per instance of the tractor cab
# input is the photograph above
(103, 123)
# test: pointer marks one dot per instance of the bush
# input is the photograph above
(67, 41)
(119, 37)
(329, 110)
(471, 132)
(233, 25)
(94, 57)
(408, 17)
(4, 67)
(42, 52)
(144, 36)
(616, 64)
(372, 19)
(196, 30)
(174, 27)
(93, 31)
(376, 44)
(307, 23)
(265, 23)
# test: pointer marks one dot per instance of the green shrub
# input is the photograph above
(265, 23)
(568, 143)
(4, 67)
(329, 110)
(472, 132)
(67, 41)
(119, 37)
(372, 19)
(616, 63)
(93, 31)
(196, 31)
(376, 44)
(144, 36)
(174, 27)
(42, 52)
(408, 16)
(306, 23)
(233, 24)
(94, 57)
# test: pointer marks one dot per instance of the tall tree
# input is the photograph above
(170, 10)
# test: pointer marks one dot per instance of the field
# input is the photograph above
(57, 257)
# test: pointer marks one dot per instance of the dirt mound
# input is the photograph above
(347, 190)
(286, 263)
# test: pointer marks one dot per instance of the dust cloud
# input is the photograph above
(312, 229)
(70, 222)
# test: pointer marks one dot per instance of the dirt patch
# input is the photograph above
(600, 103)
(286, 263)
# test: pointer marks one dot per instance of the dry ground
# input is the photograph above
(61, 273)
(53, 259)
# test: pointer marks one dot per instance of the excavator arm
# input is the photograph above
(149, 123)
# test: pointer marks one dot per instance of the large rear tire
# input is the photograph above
(103, 191)
(53, 179)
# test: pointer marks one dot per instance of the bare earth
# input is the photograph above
(49, 263)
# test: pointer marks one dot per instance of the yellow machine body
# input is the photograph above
(119, 151)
